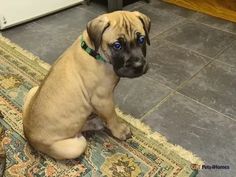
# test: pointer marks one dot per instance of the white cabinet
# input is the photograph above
(13, 12)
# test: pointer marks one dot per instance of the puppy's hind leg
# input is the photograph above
(68, 148)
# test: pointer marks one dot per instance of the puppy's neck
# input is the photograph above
(89, 47)
(87, 40)
(105, 66)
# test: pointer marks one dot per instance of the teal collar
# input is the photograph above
(91, 52)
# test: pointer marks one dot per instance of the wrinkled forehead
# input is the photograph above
(123, 25)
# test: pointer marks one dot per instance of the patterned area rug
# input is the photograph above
(146, 154)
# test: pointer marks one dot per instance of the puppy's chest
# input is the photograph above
(105, 87)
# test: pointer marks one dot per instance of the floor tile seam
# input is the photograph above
(58, 13)
(225, 63)
(223, 50)
(204, 105)
(85, 10)
(194, 75)
(174, 91)
(191, 50)
(159, 83)
(182, 23)
(202, 55)
(194, 20)
(35, 21)
(162, 10)
(181, 86)
(159, 35)
(157, 105)
(66, 39)
(186, 21)
(141, 4)
(182, 81)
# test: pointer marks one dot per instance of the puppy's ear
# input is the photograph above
(96, 28)
(146, 24)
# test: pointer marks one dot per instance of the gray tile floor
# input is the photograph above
(189, 93)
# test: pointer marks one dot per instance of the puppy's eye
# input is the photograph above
(117, 45)
(141, 40)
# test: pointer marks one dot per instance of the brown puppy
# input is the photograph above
(78, 84)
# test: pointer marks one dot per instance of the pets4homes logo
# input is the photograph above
(209, 167)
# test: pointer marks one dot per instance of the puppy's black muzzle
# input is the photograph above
(134, 67)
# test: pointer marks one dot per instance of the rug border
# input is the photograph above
(183, 153)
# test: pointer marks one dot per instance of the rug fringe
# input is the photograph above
(25, 52)
(128, 118)
(185, 154)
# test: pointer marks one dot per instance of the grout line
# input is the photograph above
(159, 34)
(227, 64)
(195, 20)
(190, 20)
(193, 76)
(157, 82)
(176, 90)
(202, 55)
(91, 12)
(222, 51)
(191, 50)
(228, 117)
(140, 4)
(157, 105)
(211, 60)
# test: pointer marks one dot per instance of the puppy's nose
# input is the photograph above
(138, 63)
(135, 62)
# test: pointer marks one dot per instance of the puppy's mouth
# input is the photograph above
(132, 72)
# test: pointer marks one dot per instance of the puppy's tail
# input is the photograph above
(28, 99)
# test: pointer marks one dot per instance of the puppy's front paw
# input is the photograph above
(121, 131)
